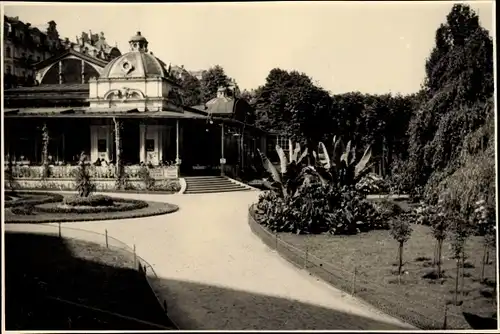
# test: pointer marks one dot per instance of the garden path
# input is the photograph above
(216, 274)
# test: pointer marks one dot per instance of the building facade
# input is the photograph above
(26, 46)
(83, 104)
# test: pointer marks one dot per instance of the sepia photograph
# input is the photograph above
(280, 165)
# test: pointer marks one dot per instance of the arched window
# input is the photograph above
(8, 52)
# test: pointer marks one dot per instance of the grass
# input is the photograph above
(48, 279)
(374, 256)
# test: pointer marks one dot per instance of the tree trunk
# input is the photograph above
(118, 144)
(440, 245)
(434, 262)
(456, 281)
(483, 262)
(400, 258)
(45, 150)
(462, 284)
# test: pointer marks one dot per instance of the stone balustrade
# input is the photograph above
(97, 172)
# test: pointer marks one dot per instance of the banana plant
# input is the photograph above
(290, 176)
(342, 167)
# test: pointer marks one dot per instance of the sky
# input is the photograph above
(371, 47)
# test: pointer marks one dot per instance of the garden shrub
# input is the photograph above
(84, 184)
(93, 200)
(318, 208)
(24, 210)
(145, 176)
(169, 185)
(372, 184)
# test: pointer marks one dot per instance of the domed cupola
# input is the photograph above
(138, 43)
(136, 78)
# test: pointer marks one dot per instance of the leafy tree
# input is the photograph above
(211, 80)
(45, 151)
(459, 81)
(440, 227)
(120, 168)
(460, 232)
(290, 103)
(401, 232)
(192, 92)
(485, 219)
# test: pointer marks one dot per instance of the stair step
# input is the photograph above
(214, 188)
(209, 182)
(190, 178)
(214, 191)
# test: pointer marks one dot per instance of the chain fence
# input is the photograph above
(421, 312)
(105, 240)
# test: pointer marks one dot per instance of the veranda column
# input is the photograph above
(222, 159)
(177, 140)
(142, 143)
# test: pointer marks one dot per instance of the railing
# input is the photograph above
(98, 172)
(352, 281)
(104, 239)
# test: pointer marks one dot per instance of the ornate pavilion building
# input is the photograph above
(81, 98)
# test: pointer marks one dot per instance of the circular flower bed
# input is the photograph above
(92, 205)
(52, 208)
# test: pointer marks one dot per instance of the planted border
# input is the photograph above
(152, 209)
(33, 200)
(129, 205)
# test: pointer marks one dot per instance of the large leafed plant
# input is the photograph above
(342, 168)
(292, 172)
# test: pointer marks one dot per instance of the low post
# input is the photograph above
(106, 233)
(305, 258)
(135, 258)
(59, 230)
(445, 315)
(353, 288)
(276, 240)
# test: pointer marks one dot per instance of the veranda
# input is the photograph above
(169, 147)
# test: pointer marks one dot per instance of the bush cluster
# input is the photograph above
(92, 200)
(318, 208)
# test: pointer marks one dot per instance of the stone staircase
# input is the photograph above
(211, 184)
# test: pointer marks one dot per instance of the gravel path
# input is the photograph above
(215, 274)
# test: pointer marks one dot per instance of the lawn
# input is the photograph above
(57, 284)
(420, 301)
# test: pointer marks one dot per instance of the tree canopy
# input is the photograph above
(458, 85)
(211, 80)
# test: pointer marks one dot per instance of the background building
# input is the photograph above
(25, 46)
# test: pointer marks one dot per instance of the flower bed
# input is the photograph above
(51, 209)
(117, 205)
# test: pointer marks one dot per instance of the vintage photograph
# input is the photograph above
(294, 165)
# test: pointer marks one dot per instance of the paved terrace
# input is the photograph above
(216, 274)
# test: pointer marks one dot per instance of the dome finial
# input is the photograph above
(138, 43)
